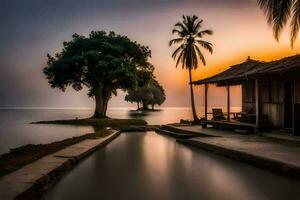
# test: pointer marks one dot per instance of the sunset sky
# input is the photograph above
(30, 29)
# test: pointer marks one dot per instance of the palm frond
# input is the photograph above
(277, 13)
(183, 60)
(205, 32)
(194, 57)
(179, 33)
(175, 41)
(180, 48)
(295, 23)
(206, 45)
(268, 6)
(193, 23)
(281, 16)
(182, 27)
(200, 55)
(189, 57)
(179, 59)
(197, 26)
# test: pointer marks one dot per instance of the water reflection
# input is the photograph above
(150, 166)
(16, 130)
(157, 158)
(138, 113)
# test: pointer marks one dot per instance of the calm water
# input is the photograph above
(150, 166)
(16, 130)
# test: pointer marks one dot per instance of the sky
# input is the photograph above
(30, 29)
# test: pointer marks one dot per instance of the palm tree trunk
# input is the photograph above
(192, 98)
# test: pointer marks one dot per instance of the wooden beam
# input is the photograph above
(293, 93)
(228, 102)
(205, 101)
(257, 103)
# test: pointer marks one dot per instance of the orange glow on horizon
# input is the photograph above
(261, 55)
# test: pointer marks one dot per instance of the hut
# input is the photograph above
(270, 94)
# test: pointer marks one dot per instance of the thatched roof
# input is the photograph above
(252, 68)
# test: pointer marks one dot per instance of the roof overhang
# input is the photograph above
(251, 69)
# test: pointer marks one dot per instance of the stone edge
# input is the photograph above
(258, 161)
(47, 180)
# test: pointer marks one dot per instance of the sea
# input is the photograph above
(17, 130)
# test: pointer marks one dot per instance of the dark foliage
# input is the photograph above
(190, 41)
(101, 62)
(279, 12)
(149, 94)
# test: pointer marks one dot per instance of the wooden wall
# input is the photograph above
(297, 119)
(271, 99)
(297, 106)
(275, 113)
(297, 91)
(248, 96)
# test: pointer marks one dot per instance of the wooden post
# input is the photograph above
(228, 102)
(257, 103)
(204, 125)
(205, 101)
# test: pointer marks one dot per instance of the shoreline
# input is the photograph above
(98, 122)
(47, 170)
(18, 157)
(29, 153)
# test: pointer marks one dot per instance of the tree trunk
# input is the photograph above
(138, 105)
(192, 98)
(152, 106)
(101, 104)
(105, 100)
(145, 106)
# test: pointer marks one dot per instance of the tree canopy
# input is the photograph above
(149, 94)
(190, 41)
(102, 62)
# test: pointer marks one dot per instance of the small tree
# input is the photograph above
(102, 62)
(149, 94)
(158, 92)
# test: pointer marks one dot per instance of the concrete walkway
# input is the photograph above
(281, 155)
(31, 180)
(205, 131)
(147, 166)
(277, 155)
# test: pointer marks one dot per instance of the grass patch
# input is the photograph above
(24, 155)
(105, 122)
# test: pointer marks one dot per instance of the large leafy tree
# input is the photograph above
(190, 41)
(150, 94)
(102, 62)
(279, 12)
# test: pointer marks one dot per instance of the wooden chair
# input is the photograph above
(217, 114)
(247, 116)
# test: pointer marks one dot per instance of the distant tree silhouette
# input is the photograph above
(278, 13)
(190, 40)
(149, 94)
(102, 62)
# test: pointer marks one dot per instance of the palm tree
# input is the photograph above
(189, 39)
(279, 12)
